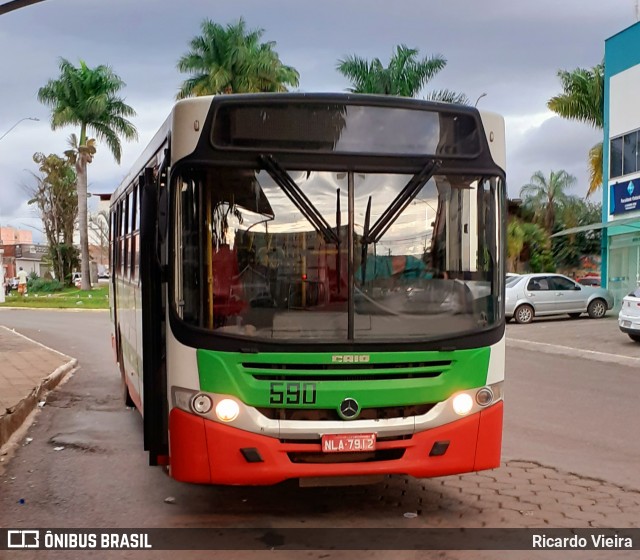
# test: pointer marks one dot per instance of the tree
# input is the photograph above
(232, 59)
(87, 97)
(531, 243)
(538, 248)
(582, 99)
(515, 244)
(57, 201)
(544, 196)
(405, 76)
(568, 249)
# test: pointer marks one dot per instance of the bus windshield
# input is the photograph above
(275, 255)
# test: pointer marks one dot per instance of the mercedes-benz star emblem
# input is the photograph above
(349, 409)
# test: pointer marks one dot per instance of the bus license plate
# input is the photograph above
(626, 323)
(348, 443)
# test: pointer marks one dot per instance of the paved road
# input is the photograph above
(596, 339)
(563, 416)
(574, 414)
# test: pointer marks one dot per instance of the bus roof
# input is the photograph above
(199, 111)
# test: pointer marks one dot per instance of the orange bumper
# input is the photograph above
(208, 452)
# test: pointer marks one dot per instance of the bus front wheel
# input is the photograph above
(126, 395)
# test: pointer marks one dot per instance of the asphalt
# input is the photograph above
(519, 494)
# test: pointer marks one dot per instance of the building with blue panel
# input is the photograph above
(621, 163)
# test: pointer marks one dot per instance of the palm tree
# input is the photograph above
(582, 99)
(515, 244)
(545, 196)
(233, 60)
(405, 76)
(568, 249)
(538, 248)
(87, 97)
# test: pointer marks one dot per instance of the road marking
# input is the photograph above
(575, 352)
(15, 332)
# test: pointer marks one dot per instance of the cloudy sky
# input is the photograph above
(509, 49)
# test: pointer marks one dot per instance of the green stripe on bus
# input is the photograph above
(434, 377)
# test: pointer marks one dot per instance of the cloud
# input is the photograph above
(553, 145)
(509, 50)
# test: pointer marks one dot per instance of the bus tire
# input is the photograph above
(597, 309)
(635, 337)
(524, 314)
(126, 395)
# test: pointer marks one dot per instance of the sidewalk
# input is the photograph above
(29, 370)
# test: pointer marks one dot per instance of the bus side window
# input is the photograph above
(133, 248)
(121, 239)
(112, 233)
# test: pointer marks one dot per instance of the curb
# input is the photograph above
(557, 349)
(14, 417)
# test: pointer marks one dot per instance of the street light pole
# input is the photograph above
(16, 5)
(24, 119)
(479, 98)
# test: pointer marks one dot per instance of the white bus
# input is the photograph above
(312, 285)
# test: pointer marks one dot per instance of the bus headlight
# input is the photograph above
(227, 410)
(484, 397)
(462, 404)
(201, 404)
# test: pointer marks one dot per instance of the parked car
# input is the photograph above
(511, 278)
(543, 294)
(443, 296)
(590, 281)
(629, 316)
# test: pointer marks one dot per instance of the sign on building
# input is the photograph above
(625, 197)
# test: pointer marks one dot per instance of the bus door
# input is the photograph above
(154, 382)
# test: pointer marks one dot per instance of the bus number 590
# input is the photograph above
(292, 393)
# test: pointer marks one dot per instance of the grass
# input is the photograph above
(68, 298)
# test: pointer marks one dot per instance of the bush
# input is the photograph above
(542, 261)
(36, 285)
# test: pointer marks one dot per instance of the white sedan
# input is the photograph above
(629, 316)
(542, 294)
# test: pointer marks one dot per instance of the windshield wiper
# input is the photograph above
(391, 214)
(397, 206)
(302, 203)
(363, 259)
